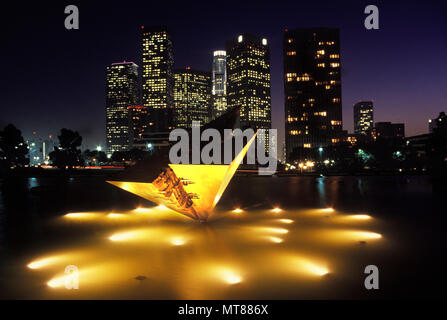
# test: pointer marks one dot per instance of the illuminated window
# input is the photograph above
(303, 77)
(307, 145)
(290, 77)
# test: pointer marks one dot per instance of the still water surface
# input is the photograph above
(270, 238)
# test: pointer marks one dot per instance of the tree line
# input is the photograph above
(14, 151)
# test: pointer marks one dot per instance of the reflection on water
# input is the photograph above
(272, 238)
(156, 253)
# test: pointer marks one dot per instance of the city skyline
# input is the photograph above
(363, 77)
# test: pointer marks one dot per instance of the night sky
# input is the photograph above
(54, 78)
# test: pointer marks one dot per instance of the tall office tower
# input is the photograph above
(158, 76)
(192, 97)
(248, 72)
(363, 117)
(121, 92)
(312, 88)
(219, 84)
(139, 122)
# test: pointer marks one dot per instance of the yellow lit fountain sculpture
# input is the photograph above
(190, 189)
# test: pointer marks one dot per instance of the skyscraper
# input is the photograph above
(363, 117)
(158, 76)
(312, 88)
(121, 92)
(248, 72)
(219, 83)
(139, 121)
(192, 97)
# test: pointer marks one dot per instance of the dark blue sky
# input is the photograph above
(54, 78)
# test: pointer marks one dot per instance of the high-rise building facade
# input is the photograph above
(121, 92)
(363, 117)
(248, 76)
(219, 83)
(158, 76)
(312, 88)
(140, 122)
(192, 97)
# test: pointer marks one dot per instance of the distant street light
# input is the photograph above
(98, 148)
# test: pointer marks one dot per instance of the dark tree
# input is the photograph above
(436, 150)
(13, 148)
(94, 157)
(67, 154)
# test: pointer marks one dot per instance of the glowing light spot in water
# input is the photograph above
(353, 218)
(360, 217)
(81, 215)
(302, 264)
(124, 236)
(328, 210)
(276, 210)
(115, 215)
(312, 267)
(334, 236)
(273, 230)
(142, 210)
(285, 221)
(230, 276)
(366, 234)
(177, 241)
(275, 239)
(238, 210)
(43, 262)
(355, 235)
(57, 282)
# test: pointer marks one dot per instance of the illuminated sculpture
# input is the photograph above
(190, 189)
